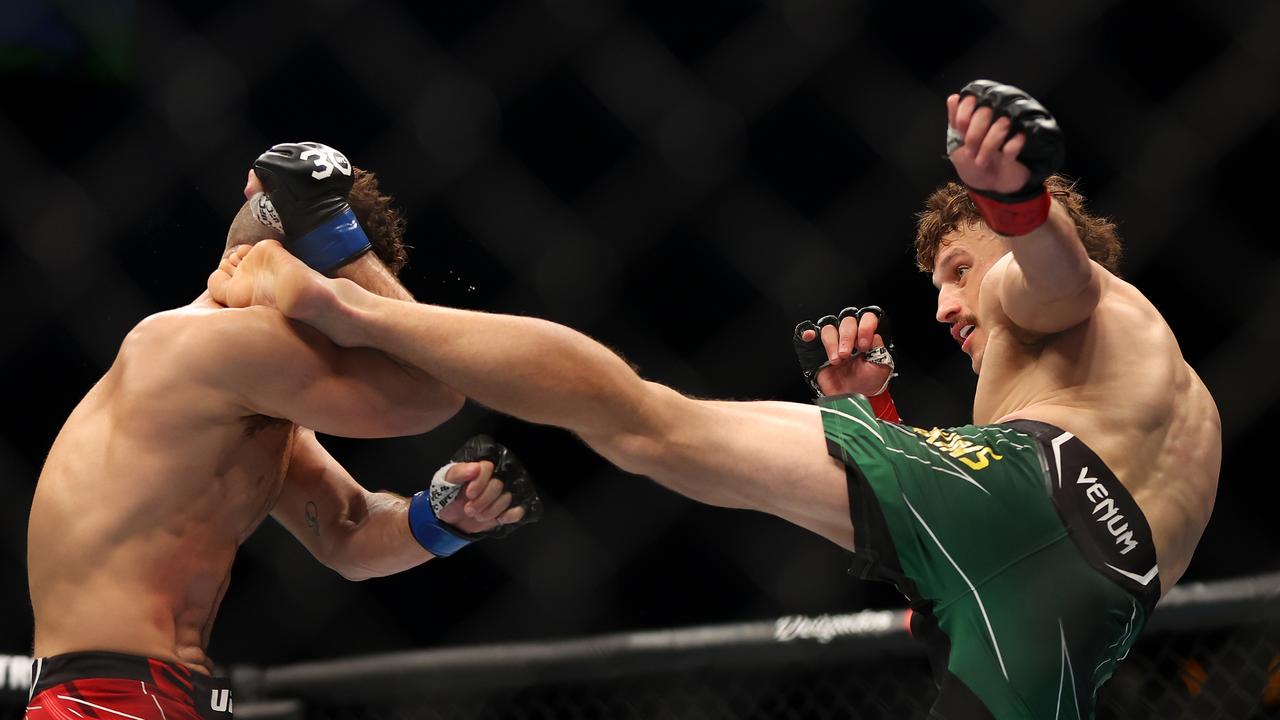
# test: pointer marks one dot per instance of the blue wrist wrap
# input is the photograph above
(333, 244)
(429, 531)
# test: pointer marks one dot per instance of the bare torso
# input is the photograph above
(147, 492)
(1118, 382)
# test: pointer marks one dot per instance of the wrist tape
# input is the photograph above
(1014, 218)
(334, 243)
(424, 517)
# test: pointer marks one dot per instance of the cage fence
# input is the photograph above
(1211, 650)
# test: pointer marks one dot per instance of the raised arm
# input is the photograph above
(262, 363)
(1004, 145)
(283, 369)
(1051, 284)
(366, 270)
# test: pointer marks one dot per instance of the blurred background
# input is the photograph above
(682, 181)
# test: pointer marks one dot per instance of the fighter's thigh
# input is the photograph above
(1055, 628)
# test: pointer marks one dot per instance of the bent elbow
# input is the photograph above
(1054, 308)
(446, 405)
(418, 414)
(349, 568)
(431, 412)
(1078, 306)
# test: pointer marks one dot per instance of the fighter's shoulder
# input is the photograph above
(1007, 269)
(1125, 305)
(199, 335)
(199, 326)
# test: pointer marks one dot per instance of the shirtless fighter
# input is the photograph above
(206, 423)
(1027, 541)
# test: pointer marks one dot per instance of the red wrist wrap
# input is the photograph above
(1013, 219)
(882, 405)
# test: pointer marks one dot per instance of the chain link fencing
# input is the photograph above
(1210, 651)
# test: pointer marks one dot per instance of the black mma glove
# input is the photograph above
(442, 539)
(306, 198)
(1024, 210)
(812, 354)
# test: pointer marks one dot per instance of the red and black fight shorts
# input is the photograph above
(113, 686)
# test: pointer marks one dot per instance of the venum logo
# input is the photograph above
(220, 700)
(1106, 512)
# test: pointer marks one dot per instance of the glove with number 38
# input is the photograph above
(306, 198)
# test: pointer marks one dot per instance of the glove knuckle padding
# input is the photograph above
(811, 353)
(308, 185)
(1045, 148)
(288, 173)
(515, 480)
(883, 327)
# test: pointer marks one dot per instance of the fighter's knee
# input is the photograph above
(633, 452)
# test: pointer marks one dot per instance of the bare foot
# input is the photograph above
(267, 274)
(219, 278)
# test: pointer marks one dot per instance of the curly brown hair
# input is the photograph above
(949, 207)
(382, 222)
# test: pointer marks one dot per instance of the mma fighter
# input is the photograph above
(205, 424)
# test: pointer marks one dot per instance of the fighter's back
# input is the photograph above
(1119, 382)
(152, 483)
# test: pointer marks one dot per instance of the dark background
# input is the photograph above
(683, 181)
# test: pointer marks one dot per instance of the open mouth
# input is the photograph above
(966, 331)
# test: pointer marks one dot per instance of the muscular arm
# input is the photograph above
(266, 364)
(369, 272)
(1051, 285)
(358, 533)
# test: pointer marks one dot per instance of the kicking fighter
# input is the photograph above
(1027, 541)
(206, 423)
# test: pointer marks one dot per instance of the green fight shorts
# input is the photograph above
(1029, 567)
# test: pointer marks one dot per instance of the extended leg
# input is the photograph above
(765, 456)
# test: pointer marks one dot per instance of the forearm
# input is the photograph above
(533, 369)
(378, 543)
(1054, 263)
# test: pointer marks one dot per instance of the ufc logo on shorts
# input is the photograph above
(327, 160)
(220, 700)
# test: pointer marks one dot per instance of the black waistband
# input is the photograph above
(1102, 518)
(211, 696)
